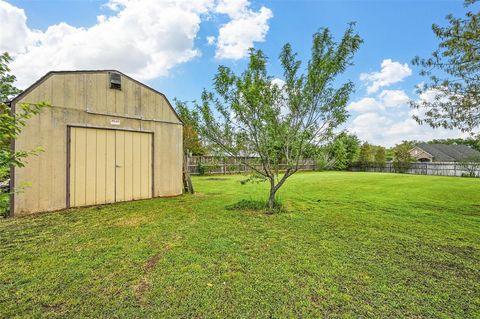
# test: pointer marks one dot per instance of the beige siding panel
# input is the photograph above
(159, 107)
(145, 165)
(119, 100)
(110, 167)
(90, 91)
(137, 99)
(128, 167)
(128, 98)
(58, 95)
(111, 107)
(46, 93)
(147, 105)
(70, 91)
(101, 164)
(44, 174)
(136, 165)
(168, 160)
(120, 166)
(101, 93)
(91, 169)
(80, 92)
(80, 166)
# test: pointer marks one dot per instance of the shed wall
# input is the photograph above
(77, 100)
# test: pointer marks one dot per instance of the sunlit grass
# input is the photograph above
(344, 245)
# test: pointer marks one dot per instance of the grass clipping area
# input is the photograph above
(345, 245)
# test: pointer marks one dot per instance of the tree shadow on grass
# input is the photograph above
(256, 205)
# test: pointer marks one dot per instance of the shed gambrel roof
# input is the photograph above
(50, 73)
(448, 153)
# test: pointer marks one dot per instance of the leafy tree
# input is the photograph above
(352, 143)
(402, 159)
(343, 151)
(471, 165)
(339, 153)
(11, 124)
(366, 156)
(380, 157)
(191, 140)
(7, 80)
(278, 122)
(454, 74)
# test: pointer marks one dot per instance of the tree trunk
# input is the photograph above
(187, 181)
(271, 198)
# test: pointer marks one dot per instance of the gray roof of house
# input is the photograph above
(448, 153)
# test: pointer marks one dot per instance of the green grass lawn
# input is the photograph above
(348, 245)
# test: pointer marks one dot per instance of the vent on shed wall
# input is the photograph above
(115, 81)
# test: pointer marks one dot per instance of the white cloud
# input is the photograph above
(15, 36)
(391, 72)
(245, 27)
(367, 125)
(393, 98)
(278, 82)
(365, 105)
(383, 130)
(386, 99)
(210, 40)
(387, 119)
(141, 38)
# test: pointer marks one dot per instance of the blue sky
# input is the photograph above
(123, 34)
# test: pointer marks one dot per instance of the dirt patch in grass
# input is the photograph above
(151, 263)
(216, 179)
(144, 285)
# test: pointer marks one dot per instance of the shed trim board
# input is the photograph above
(116, 196)
(132, 117)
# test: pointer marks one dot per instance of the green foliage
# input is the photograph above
(372, 156)
(350, 245)
(366, 156)
(201, 169)
(471, 165)
(7, 80)
(191, 141)
(454, 74)
(343, 151)
(402, 159)
(380, 157)
(249, 114)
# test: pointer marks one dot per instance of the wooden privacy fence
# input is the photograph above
(233, 165)
(423, 168)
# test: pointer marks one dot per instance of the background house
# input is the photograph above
(425, 152)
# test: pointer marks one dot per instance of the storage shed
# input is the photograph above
(106, 138)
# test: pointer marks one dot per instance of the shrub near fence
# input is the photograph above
(198, 165)
(422, 168)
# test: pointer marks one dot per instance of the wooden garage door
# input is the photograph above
(109, 166)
